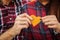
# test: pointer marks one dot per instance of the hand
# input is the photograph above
(51, 21)
(22, 21)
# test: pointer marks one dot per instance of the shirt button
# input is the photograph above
(10, 18)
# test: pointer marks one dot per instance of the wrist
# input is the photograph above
(16, 30)
(11, 33)
(58, 28)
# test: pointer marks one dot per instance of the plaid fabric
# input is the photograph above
(23, 2)
(7, 16)
(41, 31)
(9, 13)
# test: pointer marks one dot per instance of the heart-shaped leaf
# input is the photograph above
(36, 20)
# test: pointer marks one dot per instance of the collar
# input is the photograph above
(38, 4)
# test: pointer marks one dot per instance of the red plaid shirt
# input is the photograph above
(8, 14)
(40, 32)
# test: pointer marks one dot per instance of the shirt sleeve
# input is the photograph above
(55, 32)
(24, 9)
(0, 22)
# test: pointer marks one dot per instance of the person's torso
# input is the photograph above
(40, 31)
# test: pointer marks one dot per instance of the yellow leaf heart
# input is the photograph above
(36, 20)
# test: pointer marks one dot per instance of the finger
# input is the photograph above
(49, 19)
(51, 23)
(23, 19)
(29, 17)
(28, 21)
(22, 15)
(49, 16)
(24, 26)
(25, 15)
(54, 26)
(23, 22)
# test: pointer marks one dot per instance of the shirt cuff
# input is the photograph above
(55, 32)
